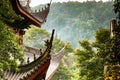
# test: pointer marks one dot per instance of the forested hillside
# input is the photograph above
(75, 21)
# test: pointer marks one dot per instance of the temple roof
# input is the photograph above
(35, 70)
(35, 18)
(54, 63)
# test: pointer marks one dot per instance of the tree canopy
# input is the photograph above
(9, 17)
(11, 52)
(89, 58)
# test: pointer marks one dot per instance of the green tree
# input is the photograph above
(90, 60)
(102, 42)
(10, 51)
(113, 52)
(9, 17)
(87, 62)
(35, 37)
(62, 73)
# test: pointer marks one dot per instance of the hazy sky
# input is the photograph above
(37, 2)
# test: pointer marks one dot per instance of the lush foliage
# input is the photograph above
(8, 16)
(75, 21)
(10, 51)
(35, 37)
(89, 58)
(113, 51)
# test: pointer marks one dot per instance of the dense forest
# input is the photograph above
(75, 21)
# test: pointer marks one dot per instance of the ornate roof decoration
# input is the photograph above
(54, 63)
(35, 18)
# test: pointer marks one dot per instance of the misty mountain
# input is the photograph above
(74, 21)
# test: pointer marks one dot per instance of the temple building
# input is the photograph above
(40, 64)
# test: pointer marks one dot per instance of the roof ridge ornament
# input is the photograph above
(33, 70)
(30, 19)
(54, 63)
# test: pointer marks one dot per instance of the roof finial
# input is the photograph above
(28, 61)
(50, 1)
